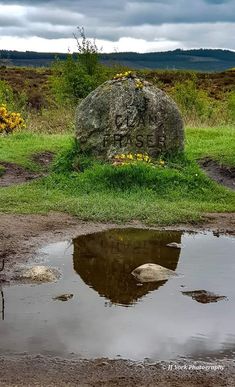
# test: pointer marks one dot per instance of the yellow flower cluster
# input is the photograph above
(123, 159)
(123, 75)
(139, 84)
(10, 121)
(130, 157)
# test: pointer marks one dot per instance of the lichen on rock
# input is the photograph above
(122, 117)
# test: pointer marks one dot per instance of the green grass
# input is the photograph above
(178, 192)
(217, 143)
(18, 148)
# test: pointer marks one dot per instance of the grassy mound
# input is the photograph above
(177, 192)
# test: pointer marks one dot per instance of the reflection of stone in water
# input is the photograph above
(204, 297)
(105, 260)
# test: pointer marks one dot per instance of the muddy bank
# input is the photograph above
(22, 235)
(46, 371)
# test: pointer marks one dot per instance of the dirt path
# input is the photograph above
(44, 371)
(20, 237)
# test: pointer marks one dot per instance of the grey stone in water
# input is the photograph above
(203, 296)
(119, 117)
(150, 272)
(63, 297)
(175, 245)
(40, 274)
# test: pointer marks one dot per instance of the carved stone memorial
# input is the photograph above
(127, 115)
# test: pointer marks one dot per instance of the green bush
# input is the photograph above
(194, 103)
(79, 74)
(6, 94)
(71, 82)
(88, 52)
(14, 102)
(231, 106)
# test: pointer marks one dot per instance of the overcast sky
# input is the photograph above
(117, 25)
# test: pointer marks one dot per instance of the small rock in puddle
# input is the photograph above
(174, 245)
(63, 297)
(204, 297)
(151, 272)
(40, 274)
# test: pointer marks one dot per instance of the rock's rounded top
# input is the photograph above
(128, 115)
(151, 272)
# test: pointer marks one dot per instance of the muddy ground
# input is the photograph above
(220, 173)
(42, 371)
(20, 237)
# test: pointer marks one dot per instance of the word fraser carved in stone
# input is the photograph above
(119, 117)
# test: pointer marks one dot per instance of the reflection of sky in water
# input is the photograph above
(162, 324)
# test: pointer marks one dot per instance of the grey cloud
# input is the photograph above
(159, 13)
(54, 17)
(111, 20)
(8, 21)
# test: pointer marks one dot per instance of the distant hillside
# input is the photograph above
(201, 60)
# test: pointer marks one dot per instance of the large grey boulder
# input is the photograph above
(128, 115)
(151, 272)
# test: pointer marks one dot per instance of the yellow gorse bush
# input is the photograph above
(10, 121)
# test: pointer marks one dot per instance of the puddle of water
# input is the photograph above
(110, 315)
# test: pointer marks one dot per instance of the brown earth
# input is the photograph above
(15, 174)
(44, 159)
(220, 173)
(20, 238)
(216, 84)
(44, 371)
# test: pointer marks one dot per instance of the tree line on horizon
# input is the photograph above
(197, 59)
